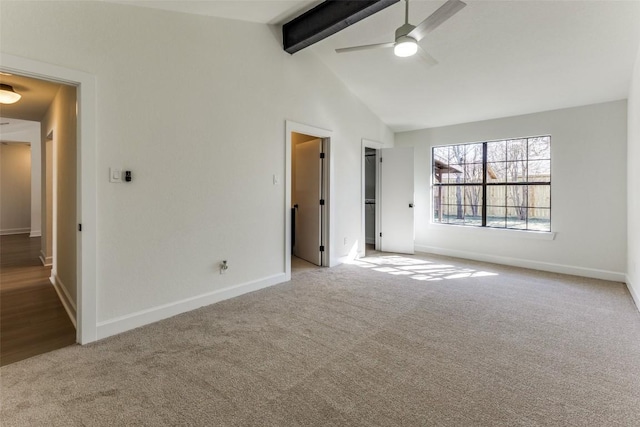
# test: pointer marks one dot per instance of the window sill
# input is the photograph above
(498, 232)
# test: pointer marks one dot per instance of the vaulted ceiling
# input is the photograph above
(495, 58)
(273, 12)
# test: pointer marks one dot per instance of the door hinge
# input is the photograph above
(321, 248)
(380, 159)
(380, 234)
(321, 202)
(79, 227)
(322, 155)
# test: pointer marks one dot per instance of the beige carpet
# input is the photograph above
(395, 341)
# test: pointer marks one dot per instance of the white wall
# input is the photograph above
(15, 188)
(201, 123)
(633, 182)
(60, 195)
(588, 146)
(28, 131)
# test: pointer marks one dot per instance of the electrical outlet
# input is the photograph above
(224, 266)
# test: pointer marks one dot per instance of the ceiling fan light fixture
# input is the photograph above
(405, 46)
(8, 95)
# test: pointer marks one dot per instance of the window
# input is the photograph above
(497, 184)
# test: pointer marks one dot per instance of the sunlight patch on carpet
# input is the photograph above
(417, 269)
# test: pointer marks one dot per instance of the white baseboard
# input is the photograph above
(10, 231)
(525, 263)
(635, 294)
(154, 314)
(47, 261)
(35, 233)
(65, 298)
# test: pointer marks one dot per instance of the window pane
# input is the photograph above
(540, 171)
(517, 218)
(473, 216)
(466, 153)
(496, 195)
(452, 176)
(437, 176)
(454, 204)
(445, 166)
(496, 222)
(473, 153)
(539, 219)
(539, 148)
(516, 224)
(448, 195)
(473, 195)
(465, 195)
(437, 203)
(448, 213)
(496, 216)
(497, 151)
(440, 164)
(497, 172)
(517, 195)
(441, 155)
(473, 202)
(473, 173)
(510, 201)
(456, 155)
(539, 196)
(516, 171)
(517, 149)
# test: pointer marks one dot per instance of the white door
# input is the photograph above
(306, 199)
(396, 204)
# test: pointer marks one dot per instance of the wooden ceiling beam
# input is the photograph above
(326, 19)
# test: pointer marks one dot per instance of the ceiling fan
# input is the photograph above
(408, 36)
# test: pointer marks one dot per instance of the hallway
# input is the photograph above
(32, 318)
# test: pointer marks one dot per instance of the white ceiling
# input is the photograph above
(496, 58)
(261, 11)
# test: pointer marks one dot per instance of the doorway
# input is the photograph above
(387, 199)
(370, 192)
(370, 197)
(36, 316)
(308, 197)
(84, 185)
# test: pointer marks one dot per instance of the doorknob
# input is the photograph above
(410, 205)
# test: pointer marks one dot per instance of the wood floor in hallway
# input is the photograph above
(32, 318)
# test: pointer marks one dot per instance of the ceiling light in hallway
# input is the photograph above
(8, 95)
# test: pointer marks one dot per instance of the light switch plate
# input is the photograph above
(115, 175)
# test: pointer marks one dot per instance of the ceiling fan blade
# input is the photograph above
(365, 47)
(426, 57)
(444, 12)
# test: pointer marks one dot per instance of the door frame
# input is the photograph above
(86, 188)
(325, 135)
(368, 143)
